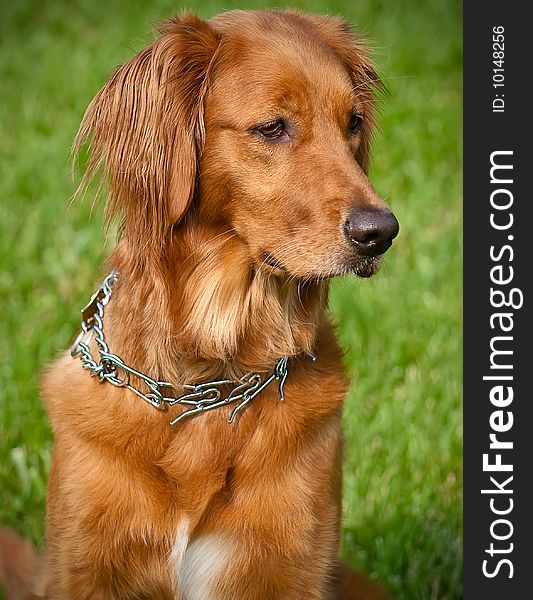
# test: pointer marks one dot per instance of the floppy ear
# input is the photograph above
(355, 56)
(145, 130)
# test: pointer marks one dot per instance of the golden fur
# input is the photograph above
(228, 240)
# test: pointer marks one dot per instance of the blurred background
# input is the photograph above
(402, 330)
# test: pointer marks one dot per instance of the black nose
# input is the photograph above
(371, 230)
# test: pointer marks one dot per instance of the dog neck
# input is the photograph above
(203, 310)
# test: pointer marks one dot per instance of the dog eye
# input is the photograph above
(355, 123)
(273, 130)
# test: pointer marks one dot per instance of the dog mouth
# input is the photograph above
(362, 266)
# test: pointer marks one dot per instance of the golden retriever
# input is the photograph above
(197, 420)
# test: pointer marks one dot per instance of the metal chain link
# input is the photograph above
(199, 397)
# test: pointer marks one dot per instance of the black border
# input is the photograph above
(485, 132)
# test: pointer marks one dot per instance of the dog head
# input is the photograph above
(258, 123)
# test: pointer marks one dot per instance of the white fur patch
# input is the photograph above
(201, 565)
(180, 545)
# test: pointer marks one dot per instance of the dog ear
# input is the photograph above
(356, 57)
(145, 130)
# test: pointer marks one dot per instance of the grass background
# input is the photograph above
(402, 329)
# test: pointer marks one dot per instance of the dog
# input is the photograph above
(197, 418)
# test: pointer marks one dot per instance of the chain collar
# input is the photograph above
(199, 397)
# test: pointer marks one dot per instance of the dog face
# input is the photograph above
(288, 123)
(258, 123)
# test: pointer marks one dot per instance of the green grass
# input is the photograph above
(401, 330)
